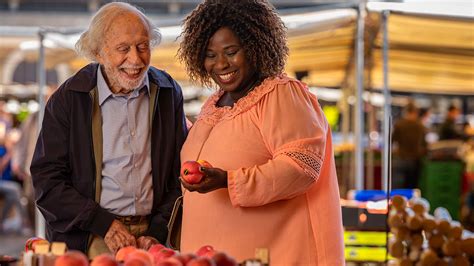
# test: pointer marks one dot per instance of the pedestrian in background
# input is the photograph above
(409, 148)
(448, 130)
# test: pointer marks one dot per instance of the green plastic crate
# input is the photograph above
(440, 184)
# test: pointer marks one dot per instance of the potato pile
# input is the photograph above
(421, 239)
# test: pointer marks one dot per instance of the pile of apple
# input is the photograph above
(157, 255)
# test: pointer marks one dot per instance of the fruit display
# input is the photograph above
(156, 255)
(191, 171)
(159, 255)
(422, 239)
(39, 252)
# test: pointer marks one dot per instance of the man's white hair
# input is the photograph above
(90, 42)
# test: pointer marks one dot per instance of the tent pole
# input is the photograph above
(40, 229)
(359, 114)
(387, 101)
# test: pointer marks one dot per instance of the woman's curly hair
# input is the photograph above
(255, 22)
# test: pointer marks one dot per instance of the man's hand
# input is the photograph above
(118, 237)
(145, 242)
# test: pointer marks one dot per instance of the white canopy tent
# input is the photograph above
(401, 50)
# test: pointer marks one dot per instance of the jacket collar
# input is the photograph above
(86, 79)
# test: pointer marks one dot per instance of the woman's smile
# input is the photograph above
(227, 78)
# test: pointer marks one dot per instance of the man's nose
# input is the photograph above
(134, 56)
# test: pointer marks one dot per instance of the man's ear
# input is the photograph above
(99, 56)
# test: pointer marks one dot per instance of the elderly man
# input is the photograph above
(106, 164)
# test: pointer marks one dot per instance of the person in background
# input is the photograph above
(273, 183)
(10, 189)
(5, 151)
(410, 147)
(6, 119)
(425, 117)
(21, 158)
(23, 153)
(106, 165)
(448, 130)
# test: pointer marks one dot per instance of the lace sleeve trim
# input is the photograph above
(310, 161)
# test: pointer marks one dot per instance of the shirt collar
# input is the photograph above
(104, 90)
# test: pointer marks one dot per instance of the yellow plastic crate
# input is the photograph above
(376, 254)
(363, 238)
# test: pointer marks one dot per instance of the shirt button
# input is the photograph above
(135, 165)
(133, 133)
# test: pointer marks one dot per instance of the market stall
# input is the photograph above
(423, 53)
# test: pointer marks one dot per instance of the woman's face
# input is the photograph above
(226, 62)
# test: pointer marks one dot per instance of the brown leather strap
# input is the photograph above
(127, 220)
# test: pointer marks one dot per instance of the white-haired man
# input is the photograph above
(106, 164)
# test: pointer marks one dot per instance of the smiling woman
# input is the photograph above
(227, 65)
(272, 183)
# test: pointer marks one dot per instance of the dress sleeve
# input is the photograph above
(294, 130)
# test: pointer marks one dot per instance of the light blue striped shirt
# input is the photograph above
(126, 166)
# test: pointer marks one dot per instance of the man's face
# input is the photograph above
(125, 53)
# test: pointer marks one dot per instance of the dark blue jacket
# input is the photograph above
(64, 168)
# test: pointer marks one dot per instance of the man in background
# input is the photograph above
(448, 129)
(409, 148)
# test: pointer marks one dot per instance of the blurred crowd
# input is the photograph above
(417, 140)
(18, 134)
(16, 193)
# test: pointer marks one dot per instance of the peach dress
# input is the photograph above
(282, 191)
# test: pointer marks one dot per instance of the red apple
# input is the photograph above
(72, 258)
(191, 172)
(31, 243)
(201, 261)
(137, 262)
(123, 253)
(155, 248)
(163, 254)
(209, 254)
(104, 260)
(204, 249)
(185, 258)
(170, 261)
(142, 254)
(222, 259)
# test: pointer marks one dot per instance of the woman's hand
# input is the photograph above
(214, 178)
